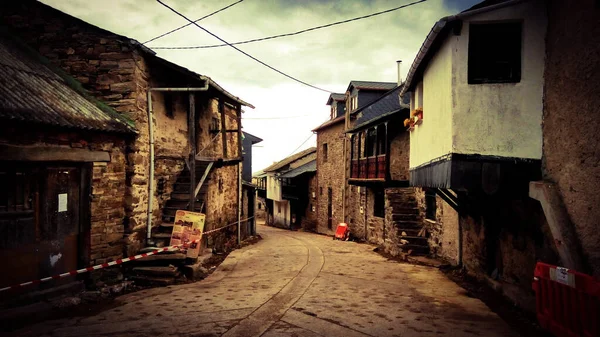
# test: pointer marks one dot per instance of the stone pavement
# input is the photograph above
(296, 284)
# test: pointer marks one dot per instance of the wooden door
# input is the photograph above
(39, 221)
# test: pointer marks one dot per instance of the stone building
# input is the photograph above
(288, 195)
(489, 152)
(62, 153)
(248, 187)
(180, 116)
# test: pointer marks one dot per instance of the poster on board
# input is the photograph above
(187, 231)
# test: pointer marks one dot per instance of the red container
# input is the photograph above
(341, 232)
(568, 302)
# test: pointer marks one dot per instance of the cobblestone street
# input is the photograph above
(295, 284)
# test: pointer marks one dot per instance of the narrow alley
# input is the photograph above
(295, 284)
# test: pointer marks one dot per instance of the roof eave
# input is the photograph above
(434, 35)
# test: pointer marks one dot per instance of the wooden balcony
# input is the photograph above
(369, 168)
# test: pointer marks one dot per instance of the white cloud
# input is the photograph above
(329, 58)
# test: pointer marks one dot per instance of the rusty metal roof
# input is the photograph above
(31, 92)
(288, 160)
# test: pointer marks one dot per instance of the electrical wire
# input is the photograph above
(243, 52)
(189, 24)
(299, 146)
(295, 33)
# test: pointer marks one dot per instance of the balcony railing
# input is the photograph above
(369, 168)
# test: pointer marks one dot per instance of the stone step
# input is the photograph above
(396, 217)
(406, 210)
(175, 258)
(161, 235)
(153, 280)
(417, 240)
(167, 225)
(183, 196)
(413, 232)
(168, 271)
(416, 249)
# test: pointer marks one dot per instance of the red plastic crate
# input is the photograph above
(341, 231)
(568, 302)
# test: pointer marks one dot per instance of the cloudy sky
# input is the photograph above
(330, 58)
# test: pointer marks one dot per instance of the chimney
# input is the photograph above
(399, 63)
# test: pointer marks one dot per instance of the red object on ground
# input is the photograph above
(341, 232)
(567, 302)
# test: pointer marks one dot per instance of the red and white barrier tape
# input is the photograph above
(113, 263)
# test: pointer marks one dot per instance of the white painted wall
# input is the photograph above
(273, 187)
(281, 218)
(502, 120)
(433, 138)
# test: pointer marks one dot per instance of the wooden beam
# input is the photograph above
(51, 153)
(223, 127)
(192, 154)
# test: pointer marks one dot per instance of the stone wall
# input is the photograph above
(443, 232)
(572, 116)
(107, 203)
(330, 174)
(309, 222)
(399, 153)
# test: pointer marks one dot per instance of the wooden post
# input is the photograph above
(223, 128)
(352, 155)
(192, 155)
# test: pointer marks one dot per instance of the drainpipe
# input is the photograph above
(151, 144)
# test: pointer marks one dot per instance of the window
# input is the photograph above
(325, 152)
(353, 103)
(495, 53)
(334, 110)
(430, 204)
(320, 191)
(259, 205)
(378, 203)
(279, 207)
(371, 143)
(381, 139)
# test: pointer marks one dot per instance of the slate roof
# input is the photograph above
(386, 105)
(311, 166)
(369, 85)
(31, 90)
(252, 137)
(290, 159)
(329, 123)
(335, 97)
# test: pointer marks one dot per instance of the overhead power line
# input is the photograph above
(295, 33)
(189, 24)
(299, 146)
(243, 52)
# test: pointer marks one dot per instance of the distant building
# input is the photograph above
(289, 198)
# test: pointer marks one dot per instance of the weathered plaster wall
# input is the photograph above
(281, 214)
(572, 116)
(501, 119)
(433, 138)
(330, 174)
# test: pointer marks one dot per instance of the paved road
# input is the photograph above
(296, 284)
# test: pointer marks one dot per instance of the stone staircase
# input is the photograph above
(167, 268)
(409, 233)
(180, 198)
